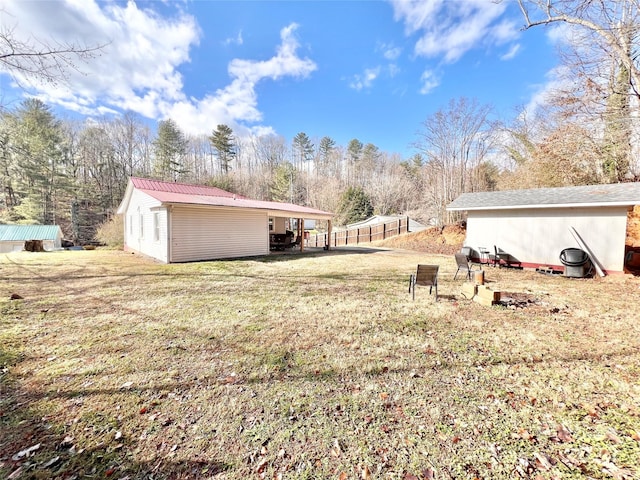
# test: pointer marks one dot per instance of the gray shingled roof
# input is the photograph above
(589, 195)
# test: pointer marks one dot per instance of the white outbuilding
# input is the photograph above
(534, 226)
(176, 222)
(13, 237)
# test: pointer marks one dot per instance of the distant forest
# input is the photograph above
(55, 171)
(585, 130)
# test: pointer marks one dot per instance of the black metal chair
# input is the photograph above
(464, 264)
(502, 258)
(425, 276)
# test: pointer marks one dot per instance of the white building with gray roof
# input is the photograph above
(535, 225)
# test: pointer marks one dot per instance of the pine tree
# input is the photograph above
(170, 147)
(222, 142)
(302, 148)
(355, 206)
(34, 161)
(282, 188)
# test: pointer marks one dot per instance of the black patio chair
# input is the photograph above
(464, 264)
(425, 276)
(504, 259)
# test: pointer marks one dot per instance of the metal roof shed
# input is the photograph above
(175, 222)
(12, 237)
(534, 225)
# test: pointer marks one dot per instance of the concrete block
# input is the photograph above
(488, 294)
(487, 302)
(469, 290)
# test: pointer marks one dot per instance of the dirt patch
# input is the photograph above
(531, 303)
(444, 240)
(633, 227)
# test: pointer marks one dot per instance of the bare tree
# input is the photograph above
(600, 60)
(39, 60)
(612, 24)
(454, 142)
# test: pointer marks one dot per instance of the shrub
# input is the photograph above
(111, 232)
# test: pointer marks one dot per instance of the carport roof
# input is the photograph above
(20, 233)
(169, 193)
(616, 194)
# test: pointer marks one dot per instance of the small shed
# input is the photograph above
(176, 222)
(12, 237)
(535, 225)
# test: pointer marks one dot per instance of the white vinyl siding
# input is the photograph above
(539, 235)
(156, 227)
(212, 233)
(140, 235)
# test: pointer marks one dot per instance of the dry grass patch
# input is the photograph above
(311, 366)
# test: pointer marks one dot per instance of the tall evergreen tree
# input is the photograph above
(327, 144)
(325, 151)
(282, 186)
(302, 148)
(35, 158)
(222, 142)
(355, 206)
(170, 147)
(354, 150)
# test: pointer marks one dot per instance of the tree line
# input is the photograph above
(74, 173)
(55, 171)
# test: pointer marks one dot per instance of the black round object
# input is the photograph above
(573, 257)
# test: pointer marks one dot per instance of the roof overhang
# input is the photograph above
(542, 206)
(275, 209)
(271, 212)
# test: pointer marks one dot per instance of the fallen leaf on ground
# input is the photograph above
(428, 474)
(15, 474)
(25, 453)
(563, 434)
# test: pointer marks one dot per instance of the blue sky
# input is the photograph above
(371, 70)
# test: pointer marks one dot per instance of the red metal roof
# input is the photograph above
(175, 187)
(180, 193)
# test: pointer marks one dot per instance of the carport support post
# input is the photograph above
(328, 234)
(301, 233)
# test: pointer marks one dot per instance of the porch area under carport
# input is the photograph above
(283, 237)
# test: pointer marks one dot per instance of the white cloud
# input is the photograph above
(390, 52)
(236, 104)
(365, 80)
(561, 33)
(429, 81)
(449, 29)
(237, 40)
(135, 68)
(285, 63)
(138, 68)
(557, 79)
(513, 51)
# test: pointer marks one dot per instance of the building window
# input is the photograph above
(156, 227)
(141, 225)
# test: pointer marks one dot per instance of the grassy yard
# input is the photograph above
(312, 366)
